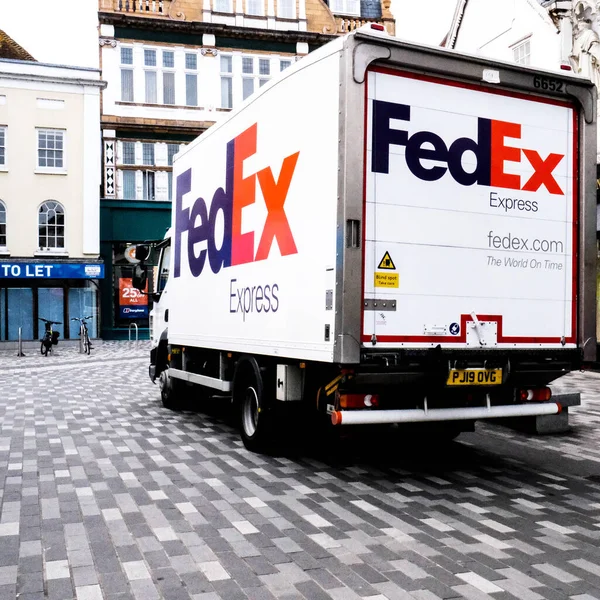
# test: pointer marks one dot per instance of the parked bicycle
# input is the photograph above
(50, 336)
(83, 333)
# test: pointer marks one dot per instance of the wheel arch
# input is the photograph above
(246, 364)
(162, 352)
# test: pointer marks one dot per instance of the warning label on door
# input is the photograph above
(387, 280)
(386, 262)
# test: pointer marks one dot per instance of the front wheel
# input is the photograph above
(171, 392)
(255, 426)
(43, 349)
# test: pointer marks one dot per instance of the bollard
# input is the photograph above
(136, 332)
(20, 346)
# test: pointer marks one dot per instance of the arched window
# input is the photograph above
(51, 225)
(2, 224)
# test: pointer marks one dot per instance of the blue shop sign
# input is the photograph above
(133, 312)
(65, 270)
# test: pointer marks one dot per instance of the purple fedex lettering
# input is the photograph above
(426, 145)
(200, 223)
(496, 144)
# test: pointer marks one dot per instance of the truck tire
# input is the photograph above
(171, 392)
(252, 406)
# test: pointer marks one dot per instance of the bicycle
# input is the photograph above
(50, 336)
(83, 333)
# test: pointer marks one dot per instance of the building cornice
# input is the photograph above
(148, 126)
(218, 29)
(52, 79)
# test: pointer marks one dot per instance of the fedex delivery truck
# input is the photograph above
(384, 233)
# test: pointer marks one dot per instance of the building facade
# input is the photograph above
(49, 196)
(548, 34)
(175, 67)
(516, 30)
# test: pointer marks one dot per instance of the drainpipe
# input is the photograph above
(561, 12)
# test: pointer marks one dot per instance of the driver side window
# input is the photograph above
(163, 268)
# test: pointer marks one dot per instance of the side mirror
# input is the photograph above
(142, 252)
(140, 278)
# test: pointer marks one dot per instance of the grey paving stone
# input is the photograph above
(8, 592)
(114, 583)
(60, 589)
(95, 476)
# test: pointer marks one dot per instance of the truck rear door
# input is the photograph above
(470, 216)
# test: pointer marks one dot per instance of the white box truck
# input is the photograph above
(384, 233)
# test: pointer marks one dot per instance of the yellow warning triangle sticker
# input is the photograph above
(386, 262)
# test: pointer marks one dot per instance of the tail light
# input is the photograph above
(377, 27)
(359, 400)
(535, 395)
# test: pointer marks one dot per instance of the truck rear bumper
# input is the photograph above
(374, 417)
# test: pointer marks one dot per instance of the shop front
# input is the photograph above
(123, 224)
(31, 290)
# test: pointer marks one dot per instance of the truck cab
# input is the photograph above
(159, 315)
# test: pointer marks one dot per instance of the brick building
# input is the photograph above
(175, 67)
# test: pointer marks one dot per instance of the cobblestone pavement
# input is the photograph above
(108, 495)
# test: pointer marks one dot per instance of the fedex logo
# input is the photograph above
(236, 248)
(495, 148)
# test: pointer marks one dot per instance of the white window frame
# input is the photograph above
(125, 47)
(162, 76)
(148, 100)
(219, 6)
(227, 75)
(259, 4)
(257, 79)
(163, 98)
(123, 171)
(152, 69)
(129, 67)
(156, 55)
(190, 72)
(153, 163)
(522, 51)
(53, 249)
(162, 56)
(341, 7)
(51, 170)
(132, 71)
(287, 13)
(4, 164)
(122, 156)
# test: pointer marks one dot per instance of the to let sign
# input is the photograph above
(23, 270)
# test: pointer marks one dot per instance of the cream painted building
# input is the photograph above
(50, 156)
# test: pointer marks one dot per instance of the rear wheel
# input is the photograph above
(252, 404)
(86, 343)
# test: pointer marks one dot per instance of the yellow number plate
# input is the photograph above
(475, 377)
